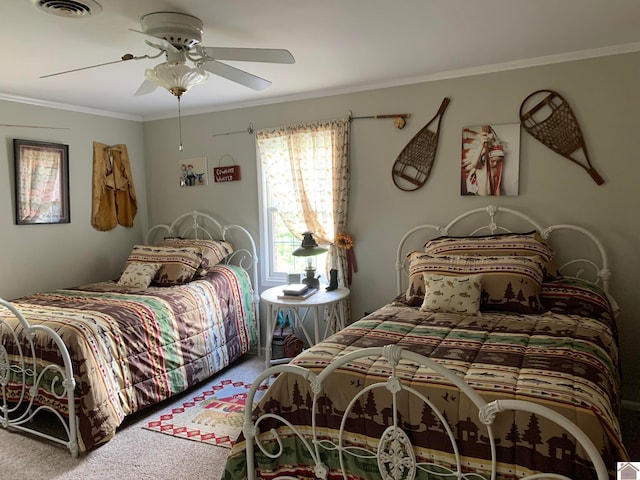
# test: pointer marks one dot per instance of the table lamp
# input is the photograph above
(309, 248)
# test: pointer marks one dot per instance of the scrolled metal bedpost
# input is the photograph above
(29, 373)
(253, 269)
(490, 411)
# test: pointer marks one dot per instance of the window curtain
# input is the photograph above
(299, 173)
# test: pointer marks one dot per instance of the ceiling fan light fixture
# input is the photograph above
(177, 78)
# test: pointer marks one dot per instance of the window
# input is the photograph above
(283, 243)
(295, 167)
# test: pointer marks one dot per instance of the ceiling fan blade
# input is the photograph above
(147, 86)
(156, 41)
(269, 55)
(236, 75)
(124, 58)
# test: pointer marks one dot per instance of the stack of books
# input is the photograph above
(298, 291)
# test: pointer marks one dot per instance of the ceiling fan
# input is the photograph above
(178, 37)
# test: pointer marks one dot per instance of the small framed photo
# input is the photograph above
(41, 182)
(193, 172)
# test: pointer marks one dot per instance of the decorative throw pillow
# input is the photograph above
(179, 265)
(509, 283)
(455, 294)
(519, 244)
(212, 251)
(138, 275)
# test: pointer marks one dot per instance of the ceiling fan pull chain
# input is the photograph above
(179, 125)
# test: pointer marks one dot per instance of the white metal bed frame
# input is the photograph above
(395, 456)
(18, 415)
(593, 270)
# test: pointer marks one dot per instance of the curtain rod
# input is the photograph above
(249, 129)
(399, 118)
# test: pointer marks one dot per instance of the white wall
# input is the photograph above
(43, 257)
(602, 92)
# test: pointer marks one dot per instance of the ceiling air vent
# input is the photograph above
(69, 8)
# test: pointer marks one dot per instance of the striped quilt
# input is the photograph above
(566, 362)
(132, 348)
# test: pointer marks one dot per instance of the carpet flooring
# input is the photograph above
(134, 453)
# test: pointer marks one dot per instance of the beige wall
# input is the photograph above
(44, 257)
(604, 96)
(603, 93)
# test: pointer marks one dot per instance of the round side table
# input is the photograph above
(320, 302)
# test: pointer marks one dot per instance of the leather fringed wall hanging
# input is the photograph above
(552, 122)
(413, 166)
(114, 196)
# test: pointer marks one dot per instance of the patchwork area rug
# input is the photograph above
(214, 416)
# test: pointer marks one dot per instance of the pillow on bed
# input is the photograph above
(448, 293)
(519, 244)
(212, 251)
(509, 283)
(572, 296)
(138, 274)
(179, 265)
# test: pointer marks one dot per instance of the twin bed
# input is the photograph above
(497, 359)
(184, 307)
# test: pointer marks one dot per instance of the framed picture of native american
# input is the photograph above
(490, 161)
(41, 182)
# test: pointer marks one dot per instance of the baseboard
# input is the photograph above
(630, 405)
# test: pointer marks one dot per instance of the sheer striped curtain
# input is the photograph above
(307, 168)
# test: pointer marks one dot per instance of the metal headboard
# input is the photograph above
(593, 268)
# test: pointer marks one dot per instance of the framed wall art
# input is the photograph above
(490, 161)
(193, 172)
(41, 182)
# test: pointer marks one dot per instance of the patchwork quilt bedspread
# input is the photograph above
(566, 362)
(131, 348)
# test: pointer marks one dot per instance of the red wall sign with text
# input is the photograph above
(230, 173)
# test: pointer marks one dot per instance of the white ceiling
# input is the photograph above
(340, 46)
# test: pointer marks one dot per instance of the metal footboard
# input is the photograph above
(20, 371)
(394, 455)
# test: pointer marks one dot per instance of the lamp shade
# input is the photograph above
(309, 247)
(176, 77)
